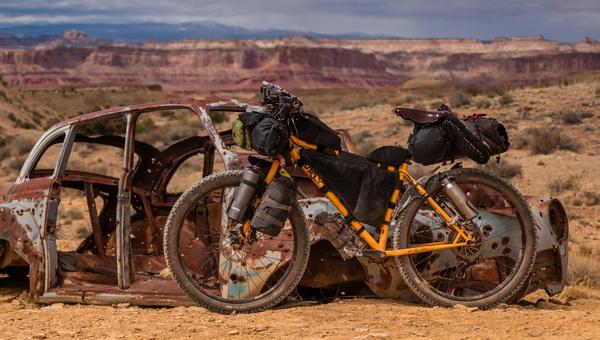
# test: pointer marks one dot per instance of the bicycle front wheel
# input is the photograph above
(482, 275)
(216, 268)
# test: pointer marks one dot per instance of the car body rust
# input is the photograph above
(121, 261)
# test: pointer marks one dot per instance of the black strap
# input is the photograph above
(252, 184)
(327, 150)
(360, 230)
(348, 219)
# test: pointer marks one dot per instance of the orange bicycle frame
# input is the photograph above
(379, 245)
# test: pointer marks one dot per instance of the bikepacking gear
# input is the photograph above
(364, 188)
(244, 194)
(389, 156)
(449, 138)
(311, 129)
(489, 131)
(270, 137)
(267, 135)
(242, 135)
(445, 236)
(274, 207)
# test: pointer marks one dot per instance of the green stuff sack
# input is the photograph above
(241, 135)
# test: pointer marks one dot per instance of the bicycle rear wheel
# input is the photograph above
(485, 274)
(217, 269)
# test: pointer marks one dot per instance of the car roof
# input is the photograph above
(177, 103)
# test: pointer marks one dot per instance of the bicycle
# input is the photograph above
(462, 236)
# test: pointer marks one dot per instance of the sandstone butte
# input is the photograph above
(298, 62)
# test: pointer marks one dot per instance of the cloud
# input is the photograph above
(564, 20)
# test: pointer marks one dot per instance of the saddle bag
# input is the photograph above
(364, 188)
(489, 131)
(451, 138)
(274, 207)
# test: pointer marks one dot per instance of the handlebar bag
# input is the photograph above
(270, 137)
(311, 129)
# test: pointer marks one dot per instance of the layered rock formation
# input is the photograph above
(298, 62)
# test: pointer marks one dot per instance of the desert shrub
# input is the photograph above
(18, 146)
(217, 116)
(584, 267)
(15, 163)
(586, 114)
(364, 142)
(495, 90)
(523, 112)
(576, 292)
(167, 114)
(586, 198)
(571, 118)
(74, 214)
(472, 90)
(107, 127)
(563, 184)
(482, 103)
(20, 124)
(504, 168)
(505, 99)
(460, 99)
(144, 125)
(81, 232)
(545, 141)
(435, 105)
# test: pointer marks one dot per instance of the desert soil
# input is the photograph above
(373, 125)
(342, 319)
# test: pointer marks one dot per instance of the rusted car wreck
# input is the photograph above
(121, 259)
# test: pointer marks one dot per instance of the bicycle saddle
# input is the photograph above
(421, 117)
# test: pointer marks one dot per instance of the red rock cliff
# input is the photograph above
(298, 62)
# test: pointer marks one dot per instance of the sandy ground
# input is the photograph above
(343, 319)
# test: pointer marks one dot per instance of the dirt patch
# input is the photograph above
(343, 319)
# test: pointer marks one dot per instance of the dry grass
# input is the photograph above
(545, 141)
(562, 184)
(585, 198)
(504, 168)
(576, 292)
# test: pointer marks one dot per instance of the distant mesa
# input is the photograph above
(73, 57)
(75, 35)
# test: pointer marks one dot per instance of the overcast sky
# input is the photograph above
(565, 20)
